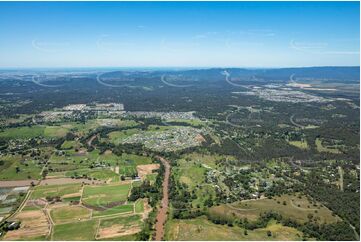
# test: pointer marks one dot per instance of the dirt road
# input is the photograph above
(340, 171)
(162, 213)
(18, 183)
(91, 140)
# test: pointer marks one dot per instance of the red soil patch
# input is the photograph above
(144, 170)
(162, 213)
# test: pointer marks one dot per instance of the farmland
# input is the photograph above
(69, 213)
(75, 231)
(56, 212)
(270, 160)
(105, 195)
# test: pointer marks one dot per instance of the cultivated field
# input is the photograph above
(33, 224)
(105, 195)
(55, 190)
(120, 226)
(64, 214)
(75, 231)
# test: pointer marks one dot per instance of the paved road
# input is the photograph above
(162, 213)
(294, 123)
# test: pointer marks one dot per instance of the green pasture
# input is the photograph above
(69, 213)
(105, 194)
(16, 168)
(75, 231)
(55, 190)
(126, 208)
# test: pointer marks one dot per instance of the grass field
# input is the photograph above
(299, 144)
(208, 160)
(34, 131)
(152, 177)
(126, 221)
(55, 190)
(26, 169)
(105, 194)
(56, 131)
(126, 208)
(71, 199)
(104, 174)
(69, 213)
(191, 171)
(131, 237)
(321, 148)
(127, 170)
(201, 229)
(190, 174)
(22, 132)
(120, 226)
(139, 206)
(117, 137)
(296, 208)
(75, 231)
(135, 159)
(69, 144)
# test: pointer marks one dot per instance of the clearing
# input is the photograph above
(201, 229)
(297, 208)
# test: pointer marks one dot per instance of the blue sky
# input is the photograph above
(179, 34)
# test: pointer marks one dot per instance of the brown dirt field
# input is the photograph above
(108, 152)
(147, 209)
(117, 230)
(103, 207)
(82, 152)
(144, 170)
(57, 175)
(36, 202)
(78, 194)
(162, 212)
(33, 224)
(56, 205)
(200, 138)
(20, 183)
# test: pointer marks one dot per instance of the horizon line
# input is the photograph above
(174, 67)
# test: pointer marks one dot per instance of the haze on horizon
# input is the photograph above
(179, 34)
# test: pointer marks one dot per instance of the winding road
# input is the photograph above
(162, 213)
(296, 124)
(91, 140)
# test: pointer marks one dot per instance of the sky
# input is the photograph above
(179, 34)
